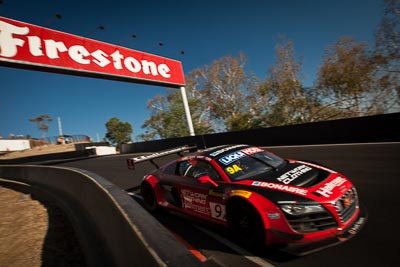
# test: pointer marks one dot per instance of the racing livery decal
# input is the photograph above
(262, 198)
(228, 159)
(327, 189)
(281, 187)
(218, 211)
(195, 201)
(225, 149)
(251, 150)
(289, 176)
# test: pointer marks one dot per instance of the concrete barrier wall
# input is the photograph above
(80, 152)
(379, 128)
(112, 228)
(47, 157)
(83, 146)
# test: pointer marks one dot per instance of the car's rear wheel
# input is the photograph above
(149, 197)
(246, 225)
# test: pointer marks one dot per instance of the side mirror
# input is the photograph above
(206, 179)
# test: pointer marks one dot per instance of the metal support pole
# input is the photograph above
(59, 126)
(187, 111)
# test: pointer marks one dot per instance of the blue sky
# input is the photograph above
(205, 30)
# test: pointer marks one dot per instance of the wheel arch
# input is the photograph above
(237, 200)
(154, 184)
(237, 204)
(261, 205)
(151, 179)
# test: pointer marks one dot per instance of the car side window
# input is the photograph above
(184, 167)
(197, 168)
(170, 169)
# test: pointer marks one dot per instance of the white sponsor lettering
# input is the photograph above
(216, 153)
(54, 49)
(8, 44)
(326, 189)
(197, 208)
(194, 197)
(78, 53)
(35, 48)
(232, 157)
(286, 188)
(195, 201)
(160, 154)
(117, 57)
(100, 58)
(251, 150)
(291, 175)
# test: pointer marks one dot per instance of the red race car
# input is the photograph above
(262, 198)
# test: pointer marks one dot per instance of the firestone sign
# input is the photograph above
(28, 46)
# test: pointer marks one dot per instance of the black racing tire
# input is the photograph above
(246, 225)
(149, 197)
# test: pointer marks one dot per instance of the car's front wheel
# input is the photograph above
(149, 197)
(246, 225)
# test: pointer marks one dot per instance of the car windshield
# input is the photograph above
(251, 165)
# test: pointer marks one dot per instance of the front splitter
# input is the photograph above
(342, 236)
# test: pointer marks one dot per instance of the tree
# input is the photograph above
(349, 82)
(387, 35)
(218, 98)
(387, 46)
(118, 132)
(223, 90)
(42, 123)
(168, 117)
(282, 99)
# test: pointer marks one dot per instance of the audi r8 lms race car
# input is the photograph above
(264, 199)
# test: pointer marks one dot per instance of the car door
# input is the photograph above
(201, 190)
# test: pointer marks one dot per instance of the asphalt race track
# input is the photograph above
(373, 168)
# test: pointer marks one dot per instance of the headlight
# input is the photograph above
(296, 209)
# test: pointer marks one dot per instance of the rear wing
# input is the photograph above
(133, 161)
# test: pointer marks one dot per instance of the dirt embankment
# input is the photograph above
(34, 231)
(39, 150)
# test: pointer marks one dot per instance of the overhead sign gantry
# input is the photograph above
(28, 46)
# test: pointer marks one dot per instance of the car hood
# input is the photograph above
(296, 174)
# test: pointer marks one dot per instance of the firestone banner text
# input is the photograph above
(23, 45)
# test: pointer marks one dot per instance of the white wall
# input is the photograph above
(103, 150)
(14, 145)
